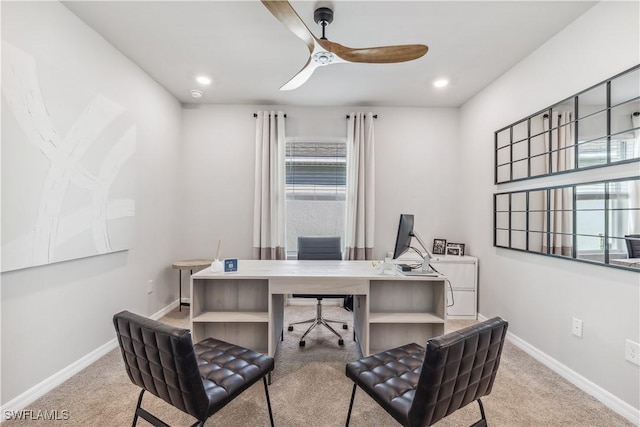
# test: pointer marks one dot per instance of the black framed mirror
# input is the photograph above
(595, 222)
(597, 127)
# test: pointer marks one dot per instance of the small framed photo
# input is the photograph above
(455, 249)
(439, 246)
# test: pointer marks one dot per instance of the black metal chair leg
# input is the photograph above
(353, 395)
(135, 415)
(179, 290)
(146, 415)
(482, 422)
(266, 392)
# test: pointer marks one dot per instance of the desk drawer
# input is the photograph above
(465, 303)
(460, 275)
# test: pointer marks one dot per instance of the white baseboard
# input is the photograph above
(24, 399)
(608, 399)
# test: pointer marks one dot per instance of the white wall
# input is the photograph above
(416, 153)
(54, 315)
(538, 295)
(435, 163)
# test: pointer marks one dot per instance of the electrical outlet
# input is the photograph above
(150, 286)
(632, 352)
(576, 327)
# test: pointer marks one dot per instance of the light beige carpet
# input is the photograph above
(310, 389)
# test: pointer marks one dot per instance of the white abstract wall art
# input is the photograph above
(67, 176)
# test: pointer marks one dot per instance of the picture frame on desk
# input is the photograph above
(439, 246)
(456, 249)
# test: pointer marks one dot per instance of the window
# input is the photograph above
(316, 175)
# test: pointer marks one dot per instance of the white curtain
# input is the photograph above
(360, 203)
(560, 203)
(634, 186)
(269, 196)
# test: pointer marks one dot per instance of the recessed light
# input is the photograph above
(203, 80)
(195, 93)
(441, 83)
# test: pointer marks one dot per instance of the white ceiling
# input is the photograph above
(250, 54)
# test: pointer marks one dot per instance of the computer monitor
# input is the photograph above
(405, 234)
(403, 241)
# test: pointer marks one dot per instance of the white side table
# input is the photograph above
(190, 265)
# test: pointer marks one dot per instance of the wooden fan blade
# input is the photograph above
(376, 55)
(302, 76)
(283, 11)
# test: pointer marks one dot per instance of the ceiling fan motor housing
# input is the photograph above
(323, 16)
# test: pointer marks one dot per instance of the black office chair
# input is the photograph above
(319, 248)
(198, 379)
(419, 387)
(633, 245)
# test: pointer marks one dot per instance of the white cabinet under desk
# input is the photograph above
(462, 272)
(247, 307)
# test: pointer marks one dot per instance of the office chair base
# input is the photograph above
(290, 328)
(302, 343)
(317, 322)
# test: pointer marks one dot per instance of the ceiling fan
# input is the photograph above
(324, 52)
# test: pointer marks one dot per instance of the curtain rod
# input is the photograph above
(255, 115)
(375, 116)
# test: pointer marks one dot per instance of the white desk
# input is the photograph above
(247, 307)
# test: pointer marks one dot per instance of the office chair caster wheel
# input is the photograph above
(345, 326)
(341, 342)
(290, 328)
(301, 343)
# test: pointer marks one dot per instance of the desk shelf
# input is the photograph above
(233, 310)
(404, 311)
(232, 316)
(405, 318)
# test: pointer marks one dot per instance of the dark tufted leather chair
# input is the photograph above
(198, 379)
(419, 388)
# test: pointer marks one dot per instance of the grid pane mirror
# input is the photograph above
(596, 222)
(597, 127)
